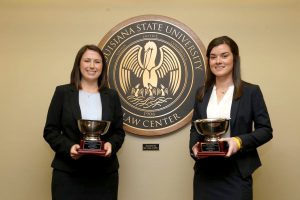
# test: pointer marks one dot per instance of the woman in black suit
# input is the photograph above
(225, 95)
(87, 96)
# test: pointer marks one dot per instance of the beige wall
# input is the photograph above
(38, 43)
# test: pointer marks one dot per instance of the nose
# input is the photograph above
(218, 60)
(92, 65)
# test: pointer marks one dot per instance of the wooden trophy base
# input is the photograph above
(212, 149)
(91, 147)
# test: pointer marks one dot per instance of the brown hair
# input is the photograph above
(210, 78)
(76, 74)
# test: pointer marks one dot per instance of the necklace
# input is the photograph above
(222, 91)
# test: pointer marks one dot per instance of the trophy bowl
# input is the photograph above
(212, 128)
(93, 128)
(92, 131)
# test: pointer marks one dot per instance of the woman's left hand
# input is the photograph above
(108, 148)
(232, 146)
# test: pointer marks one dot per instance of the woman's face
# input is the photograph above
(221, 61)
(90, 66)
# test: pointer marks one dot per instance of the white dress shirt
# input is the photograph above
(220, 109)
(90, 105)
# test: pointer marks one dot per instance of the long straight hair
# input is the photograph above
(76, 73)
(210, 78)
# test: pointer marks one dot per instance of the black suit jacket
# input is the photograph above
(61, 130)
(249, 120)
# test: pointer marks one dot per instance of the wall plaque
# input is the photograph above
(150, 147)
(156, 64)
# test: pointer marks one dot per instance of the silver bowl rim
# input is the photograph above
(91, 120)
(212, 120)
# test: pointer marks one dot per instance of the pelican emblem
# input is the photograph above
(145, 69)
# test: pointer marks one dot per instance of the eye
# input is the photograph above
(212, 57)
(86, 60)
(225, 55)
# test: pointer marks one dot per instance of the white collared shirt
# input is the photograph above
(90, 105)
(220, 109)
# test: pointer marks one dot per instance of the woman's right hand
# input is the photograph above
(74, 152)
(195, 150)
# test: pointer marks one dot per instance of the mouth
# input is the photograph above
(219, 67)
(91, 72)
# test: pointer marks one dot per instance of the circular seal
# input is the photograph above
(156, 65)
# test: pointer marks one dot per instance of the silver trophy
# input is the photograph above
(92, 131)
(212, 129)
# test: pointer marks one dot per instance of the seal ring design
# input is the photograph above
(156, 64)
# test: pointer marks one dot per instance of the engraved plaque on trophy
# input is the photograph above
(92, 131)
(212, 129)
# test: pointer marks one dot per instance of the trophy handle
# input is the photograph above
(106, 127)
(197, 128)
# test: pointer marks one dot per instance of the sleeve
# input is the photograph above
(53, 130)
(118, 134)
(194, 135)
(262, 132)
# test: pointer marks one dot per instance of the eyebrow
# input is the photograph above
(92, 58)
(226, 52)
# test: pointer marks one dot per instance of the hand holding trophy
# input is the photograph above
(212, 129)
(92, 131)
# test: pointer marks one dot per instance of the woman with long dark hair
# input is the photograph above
(76, 176)
(226, 95)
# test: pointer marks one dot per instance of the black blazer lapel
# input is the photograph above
(234, 110)
(205, 102)
(74, 101)
(105, 104)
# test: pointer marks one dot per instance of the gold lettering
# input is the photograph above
(144, 123)
(132, 120)
(160, 26)
(187, 43)
(153, 26)
(112, 44)
(158, 123)
(167, 29)
(152, 124)
(161, 122)
(175, 115)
